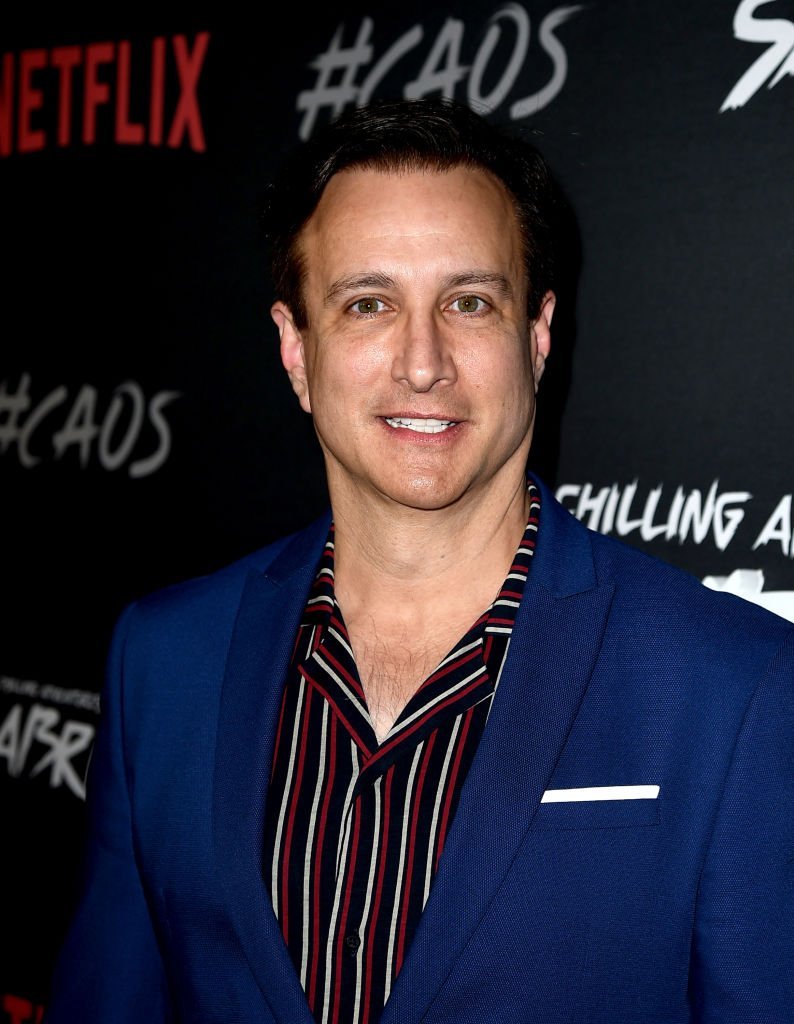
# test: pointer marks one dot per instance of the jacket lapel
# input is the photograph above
(256, 666)
(553, 652)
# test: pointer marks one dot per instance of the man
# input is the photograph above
(449, 756)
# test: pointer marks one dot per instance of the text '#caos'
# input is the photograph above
(351, 72)
(115, 435)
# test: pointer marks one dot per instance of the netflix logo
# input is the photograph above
(131, 93)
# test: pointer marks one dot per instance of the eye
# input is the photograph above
(469, 304)
(368, 306)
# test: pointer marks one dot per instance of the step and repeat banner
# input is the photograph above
(147, 431)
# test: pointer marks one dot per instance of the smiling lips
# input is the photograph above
(421, 426)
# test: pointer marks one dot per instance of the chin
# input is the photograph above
(424, 494)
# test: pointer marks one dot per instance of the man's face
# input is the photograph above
(419, 365)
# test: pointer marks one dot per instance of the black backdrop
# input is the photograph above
(147, 432)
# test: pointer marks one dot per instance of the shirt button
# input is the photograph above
(352, 941)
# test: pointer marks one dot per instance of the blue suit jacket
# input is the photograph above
(622, 671)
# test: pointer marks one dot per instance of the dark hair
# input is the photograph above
(408, 135)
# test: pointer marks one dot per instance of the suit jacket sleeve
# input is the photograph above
(110, 968)
(743, 953)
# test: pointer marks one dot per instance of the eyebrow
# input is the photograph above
(480, 277)
(356, 282)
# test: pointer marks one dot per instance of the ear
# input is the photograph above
(540, 331)
(293, 356)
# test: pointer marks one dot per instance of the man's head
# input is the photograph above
(410, 327)
(428, 135)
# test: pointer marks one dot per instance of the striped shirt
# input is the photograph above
(355, 829)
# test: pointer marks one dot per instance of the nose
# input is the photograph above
(423, 357)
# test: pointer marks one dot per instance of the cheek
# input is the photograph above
(343, 367)
(499, 368)
(341, 391)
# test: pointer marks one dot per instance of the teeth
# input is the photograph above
(423, 426)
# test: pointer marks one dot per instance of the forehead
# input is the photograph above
(416, 221)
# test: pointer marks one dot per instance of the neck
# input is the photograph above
(404, 563)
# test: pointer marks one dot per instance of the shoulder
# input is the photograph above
(712, 653)
(657, 608)
(648, 582)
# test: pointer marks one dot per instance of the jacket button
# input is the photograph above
(352, 941)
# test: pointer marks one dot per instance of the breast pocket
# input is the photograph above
(597, 814)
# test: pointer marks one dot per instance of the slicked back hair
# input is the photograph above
(405, 136)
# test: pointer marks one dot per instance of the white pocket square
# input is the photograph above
(556, 796)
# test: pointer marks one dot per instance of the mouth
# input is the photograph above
(420, 425)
